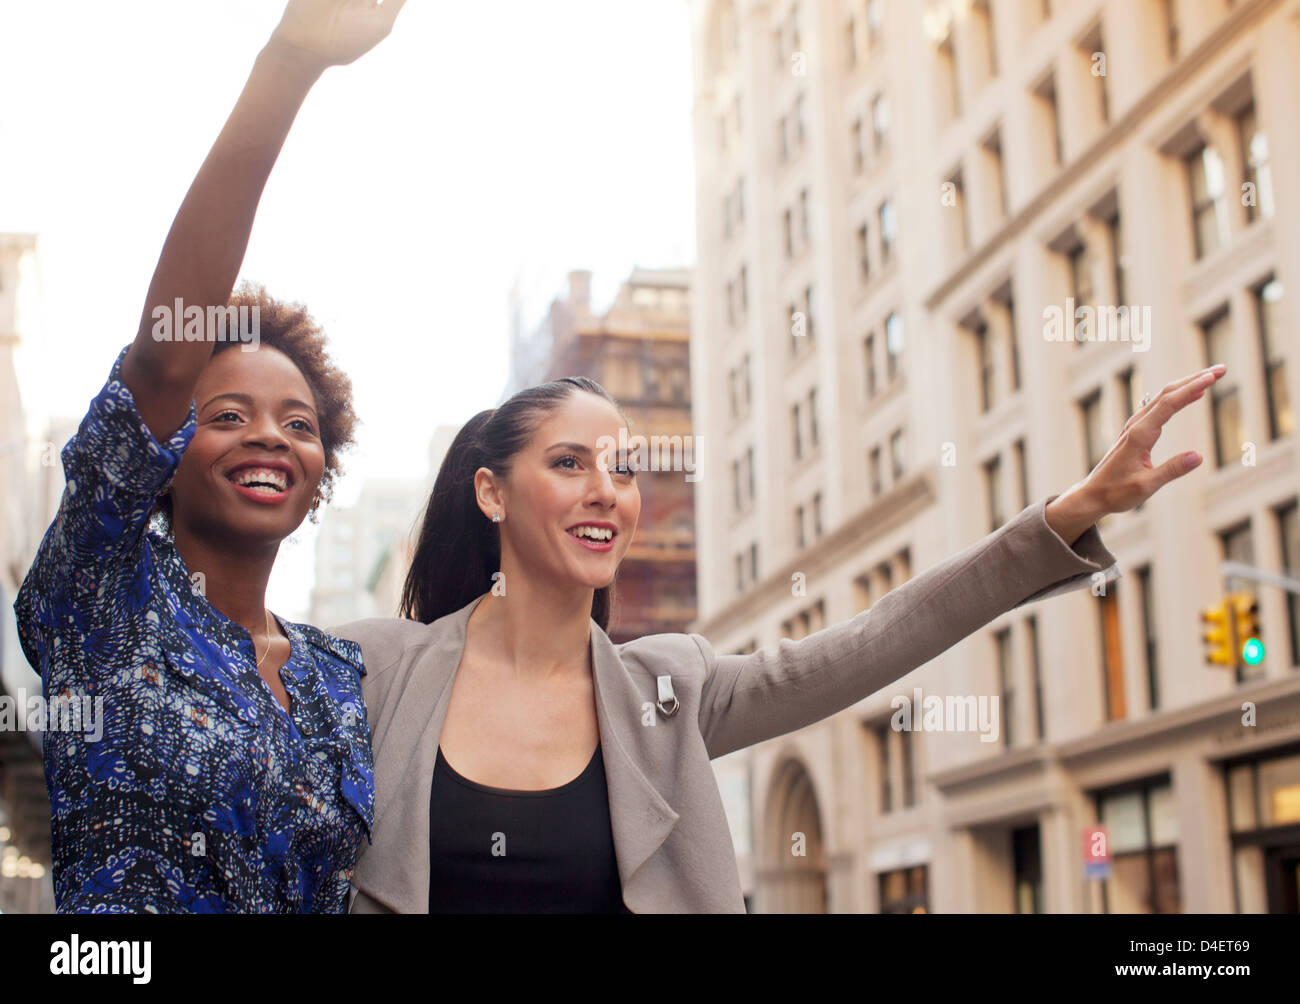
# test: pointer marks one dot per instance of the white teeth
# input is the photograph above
(262, 479)
(594, 532)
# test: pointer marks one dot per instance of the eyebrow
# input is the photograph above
(575, 447)
(248, 400)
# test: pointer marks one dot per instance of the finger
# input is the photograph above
(1174, 467)
(392, 8)
(1174, 387)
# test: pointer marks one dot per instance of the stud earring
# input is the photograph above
(496, 517)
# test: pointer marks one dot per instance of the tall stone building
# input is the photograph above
(904, 208)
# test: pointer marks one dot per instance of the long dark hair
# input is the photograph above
(459, 548)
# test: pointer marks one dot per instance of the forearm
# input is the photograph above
(209, 236)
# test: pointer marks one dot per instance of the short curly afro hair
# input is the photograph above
(288, 327)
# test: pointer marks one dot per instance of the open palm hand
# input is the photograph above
(335, 32)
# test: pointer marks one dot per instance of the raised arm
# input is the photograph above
(207, 241)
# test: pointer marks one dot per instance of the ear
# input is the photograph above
(488, 491)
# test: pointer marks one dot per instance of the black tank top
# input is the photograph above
(494, 850)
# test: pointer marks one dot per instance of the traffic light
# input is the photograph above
(1245, 618)
(1221, 648)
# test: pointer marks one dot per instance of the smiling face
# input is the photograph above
(561, 481)
(252, 470)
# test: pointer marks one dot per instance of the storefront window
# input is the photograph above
(1142, 824)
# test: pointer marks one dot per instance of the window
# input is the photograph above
(1050, 117)
(811, 328)
(875, 23)
(984, 352)
(1014, 340)
(1206, 180)
(744, 290)
(753, 562)
(1268, 305)
(804, 225)
(992, 146)
(735, 484)
(1080, 283)
(1112, 653)
(798, 432)
(799, 540)
(869, 352)
(893, 344)
(817, 515)
(1118, 258)
(1093, 450)
(896, 453)
(1006, 684)
(1169, 12)
(851, 44)
(1022, 472)
(1142, 823)
(812, 416)
(1035, 677)
(993, 492)
(907, 757)
(1254, 161)
(888, 231)
(949, 86)
(882, 754)
(904, 891)
(859, 158)
(749, 472)
(864, 252)
(787, 231)
(1027, 860)
(877, 484)
(879, 122)
(1225, 404)
(959, 232)
(982, 25)
(1288, 532)
(1146, 600)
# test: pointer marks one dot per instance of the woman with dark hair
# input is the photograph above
(525, 763)
(229, 766)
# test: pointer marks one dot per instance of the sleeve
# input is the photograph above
(114, 471)
(750, 698)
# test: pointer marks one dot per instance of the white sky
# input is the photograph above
(480, 142)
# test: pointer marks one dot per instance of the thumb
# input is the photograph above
(1175, 467)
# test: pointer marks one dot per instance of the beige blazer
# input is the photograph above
(671, 837)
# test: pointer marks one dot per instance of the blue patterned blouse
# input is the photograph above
(196, 791)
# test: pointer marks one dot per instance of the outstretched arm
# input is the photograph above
(1051, 547)
(206, 245)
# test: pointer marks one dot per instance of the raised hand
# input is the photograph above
(1125, 477)
(335, 32)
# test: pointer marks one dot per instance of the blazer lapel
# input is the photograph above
(639, 816)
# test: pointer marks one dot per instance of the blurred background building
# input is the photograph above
(891, 195)
(27, 476)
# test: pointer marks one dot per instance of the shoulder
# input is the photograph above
(382, 641)
(330, 648)
(668, 653)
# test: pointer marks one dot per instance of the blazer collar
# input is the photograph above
(396, 867)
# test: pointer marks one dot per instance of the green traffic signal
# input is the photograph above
(1252, 653)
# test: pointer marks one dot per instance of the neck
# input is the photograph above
(234, 580)
(537, 630)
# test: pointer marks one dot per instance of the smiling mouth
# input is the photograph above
(592, 534)
(265, 481)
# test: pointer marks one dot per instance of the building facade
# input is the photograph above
(917, 224)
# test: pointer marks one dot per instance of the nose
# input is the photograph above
(602, 492)
(264, 431)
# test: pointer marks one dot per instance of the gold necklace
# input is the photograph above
(268, 639)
